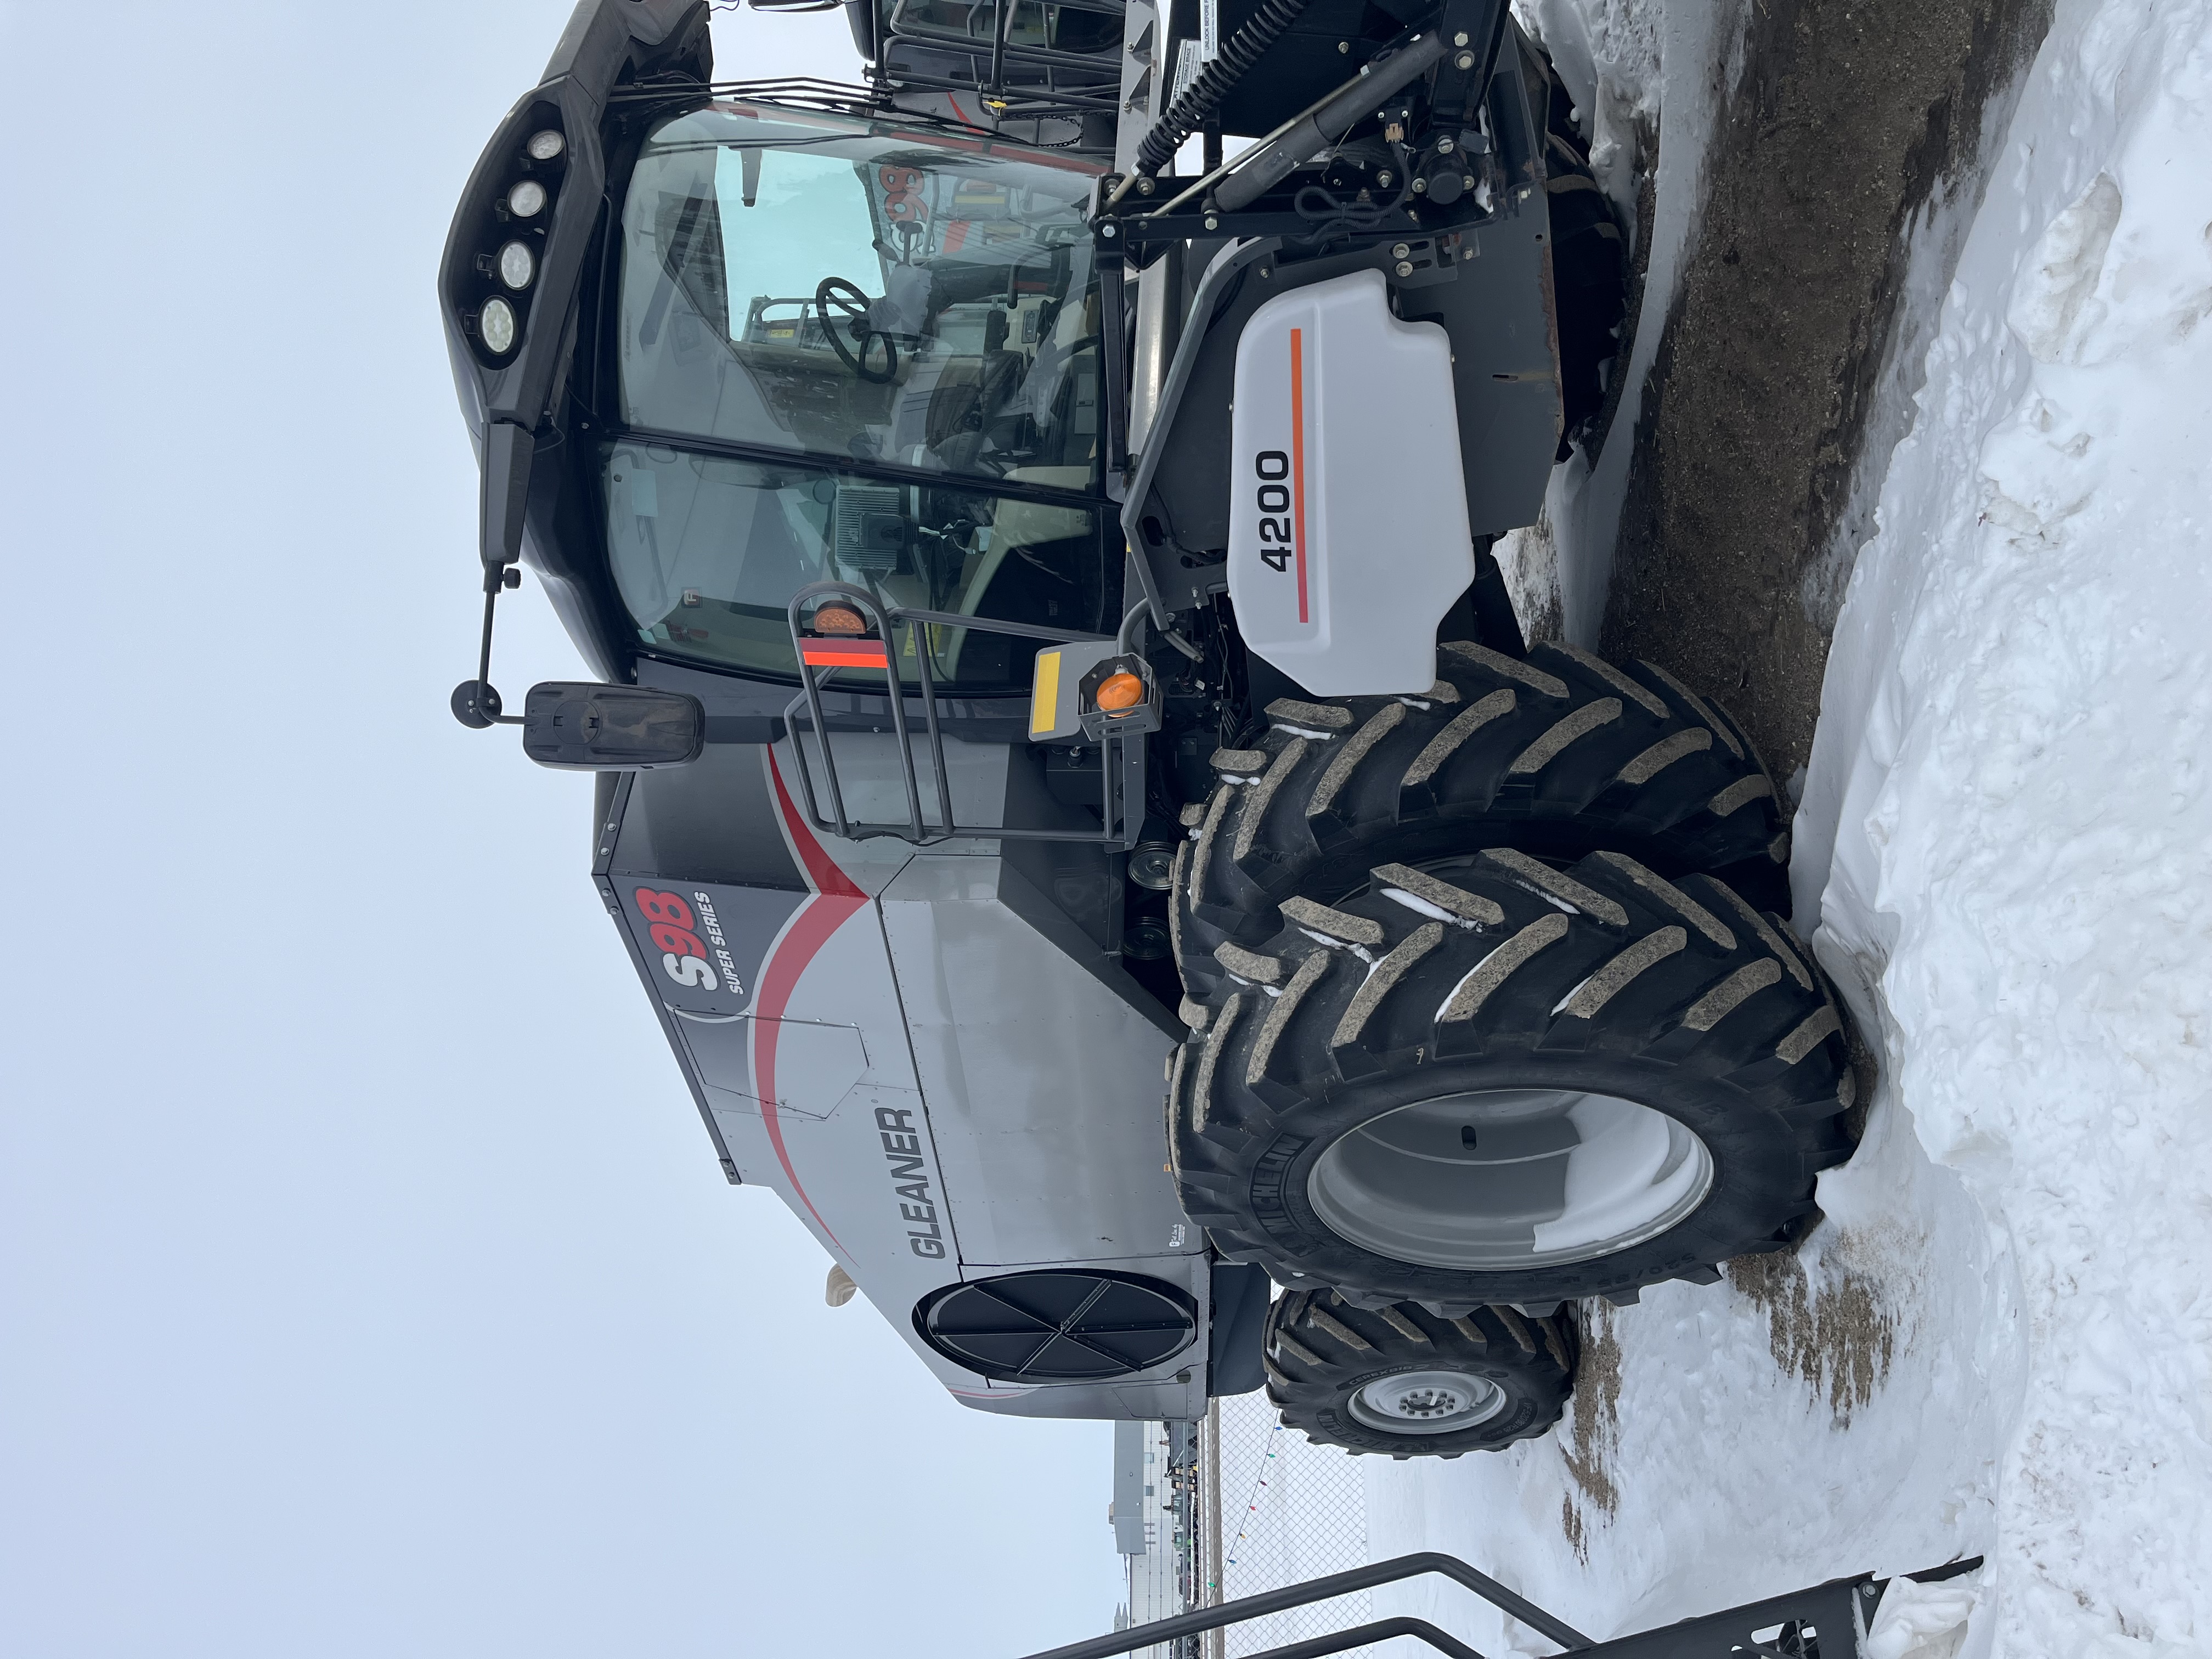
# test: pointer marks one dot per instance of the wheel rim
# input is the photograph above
(1496, 1179)
(1427, 1403)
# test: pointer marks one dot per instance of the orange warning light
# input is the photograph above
(838, 619)
(1119, 691)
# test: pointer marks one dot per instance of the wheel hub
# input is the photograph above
(1499, 1179)
(1427, 1403)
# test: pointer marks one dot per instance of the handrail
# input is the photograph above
(1321, 1589)
(1380, 1631)
(1840, 1609)
(917, 830)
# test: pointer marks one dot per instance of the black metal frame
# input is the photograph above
(1135, 228)
(1134, 220)
(1141, 236)
(1002, 46)
(1049, 102)
(1840, 1611)
(1121, 759)
(1057, 84)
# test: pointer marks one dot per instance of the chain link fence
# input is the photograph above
(1288, 1510)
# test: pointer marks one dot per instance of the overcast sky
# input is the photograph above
(367, 1283)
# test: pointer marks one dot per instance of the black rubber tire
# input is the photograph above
(1320, 1350)
(1610, 980)
(1355, 783)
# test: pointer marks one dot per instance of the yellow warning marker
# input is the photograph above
(1056, 703)
(1044, 697)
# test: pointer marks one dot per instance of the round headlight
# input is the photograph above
(516, 265)
(544, 146)
(525, 199)
(497, 324)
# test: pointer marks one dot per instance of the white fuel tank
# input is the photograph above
(1348, 535)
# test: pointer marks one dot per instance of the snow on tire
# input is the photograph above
(1489, 1080)
(1403, 1382)
(1558, 753)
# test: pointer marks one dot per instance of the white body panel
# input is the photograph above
(924, 1068)
(1044, 1090)
(1348, 536)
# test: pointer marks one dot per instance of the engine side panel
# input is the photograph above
(1487, 287)
(1028, 1134)
(1340, 562)
(1046, 1091)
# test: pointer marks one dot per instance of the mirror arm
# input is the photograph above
(508, 450)
(475, 703)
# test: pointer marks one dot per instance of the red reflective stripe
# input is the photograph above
(834, 901)
(844, 656)
(1298, 462)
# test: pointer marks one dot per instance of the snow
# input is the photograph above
(1621, 61)
(1922, 1621)
(2000, 1340)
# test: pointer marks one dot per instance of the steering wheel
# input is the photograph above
(836, 295)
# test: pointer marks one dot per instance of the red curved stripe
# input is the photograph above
(835, 898)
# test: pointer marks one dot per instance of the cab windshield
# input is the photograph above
(812, 285)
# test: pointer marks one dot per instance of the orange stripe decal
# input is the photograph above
(1298, 462)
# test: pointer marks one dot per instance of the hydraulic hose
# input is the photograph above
(1204, 96)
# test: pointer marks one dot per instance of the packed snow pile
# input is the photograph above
(2000, 1340)
(2017, 770)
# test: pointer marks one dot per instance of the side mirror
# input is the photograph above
(579, 727)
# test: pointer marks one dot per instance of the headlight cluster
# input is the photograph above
(521, 209)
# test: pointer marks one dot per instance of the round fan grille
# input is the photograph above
(1066, 1325)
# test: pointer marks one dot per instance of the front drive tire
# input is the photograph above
(1487, 1080)
(1560, 754)
(1399, 1380)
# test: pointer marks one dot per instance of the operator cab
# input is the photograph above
(824, 348)
(918, 321)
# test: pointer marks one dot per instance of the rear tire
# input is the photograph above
(1399, 1381)
(1487, 1081)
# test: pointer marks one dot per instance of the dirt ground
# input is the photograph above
(1738, 526)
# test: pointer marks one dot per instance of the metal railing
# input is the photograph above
(1121, 807)
(1321, 1589)
(1828, 1620)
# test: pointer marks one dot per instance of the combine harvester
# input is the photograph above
(1070, 780)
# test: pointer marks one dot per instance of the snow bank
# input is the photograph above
(2013, 757)
(2000, 1341)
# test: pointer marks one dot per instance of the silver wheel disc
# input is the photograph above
(1427, 1403)
(1497, 1179)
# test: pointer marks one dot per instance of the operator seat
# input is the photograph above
(966, 398)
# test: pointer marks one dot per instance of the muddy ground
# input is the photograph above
(1779, 367)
